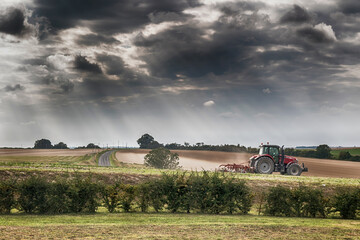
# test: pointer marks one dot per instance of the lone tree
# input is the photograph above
(43, 144)
(147, 141)
(323, 151)
(162, 158)
(60, 145)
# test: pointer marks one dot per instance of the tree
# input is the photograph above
(323, 151)
(162, 158)
(147, 141)
(343, 155)
(43, 144)
(91, 145)
(60, 145)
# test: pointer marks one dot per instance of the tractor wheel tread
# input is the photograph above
(294, 170)
(264, 165)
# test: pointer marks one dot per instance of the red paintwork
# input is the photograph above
(287, 160)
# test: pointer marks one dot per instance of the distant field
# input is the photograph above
(210, 160)
(352, 151)
(173, 226)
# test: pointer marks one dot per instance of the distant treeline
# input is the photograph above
(46, 144)
(146, 141)
(322, 151)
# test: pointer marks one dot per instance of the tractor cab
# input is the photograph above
(271, 150)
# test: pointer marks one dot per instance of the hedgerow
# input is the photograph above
(193, 192)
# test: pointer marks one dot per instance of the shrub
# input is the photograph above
(7, 199)
(347, 202)
(344, 155)
(58, 198)
(84, 195)
(173, 188)
(278, 201)
(111, 196)
(143, 196)
(32, 195)
(162, 158)
(127, 196)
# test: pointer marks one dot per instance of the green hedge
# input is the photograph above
(194, 192)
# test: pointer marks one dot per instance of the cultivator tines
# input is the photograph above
(237, 168)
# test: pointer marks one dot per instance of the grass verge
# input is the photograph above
(174, 226)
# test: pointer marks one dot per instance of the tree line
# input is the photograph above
(46, 144)
(191, 192)
(146, 141)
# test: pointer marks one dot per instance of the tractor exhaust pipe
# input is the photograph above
(282, 166)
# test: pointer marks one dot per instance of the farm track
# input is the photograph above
(104, 159)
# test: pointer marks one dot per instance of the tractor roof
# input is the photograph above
(267, 145)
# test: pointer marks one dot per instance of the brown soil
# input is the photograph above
(209, 160)
(46, 152)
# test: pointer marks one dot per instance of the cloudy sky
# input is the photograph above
(80, 71)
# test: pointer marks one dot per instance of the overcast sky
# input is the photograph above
(237, 72)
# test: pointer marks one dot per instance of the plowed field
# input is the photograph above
(209, 160)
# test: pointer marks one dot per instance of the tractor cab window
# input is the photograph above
(274, 152)
(264, 150)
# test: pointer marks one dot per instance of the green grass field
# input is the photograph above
(164, 225)
(173, 226)
(352, 151)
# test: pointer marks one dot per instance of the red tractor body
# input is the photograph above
(271, 158)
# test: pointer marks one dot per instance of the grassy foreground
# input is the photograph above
(173, 226)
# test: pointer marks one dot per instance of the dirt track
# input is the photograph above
(209, 160)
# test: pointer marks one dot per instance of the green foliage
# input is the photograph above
(57, 197)
(84, 195)
(111, 196)
(60, 145)
(301, 202)
(323, 151)
(347, 202)
(278, 201)
(7, 198)
(143, 196)
(344, 155)
(43, 144)
(127, 196)
(147, 141)
(162, 158)
(32, 195)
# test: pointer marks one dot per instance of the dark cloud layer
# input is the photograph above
(14, 88)
(107, 16)
(95, 39)
(349, 6)
(12, 22)
(83, 65)
(296, 15)
(314, 35)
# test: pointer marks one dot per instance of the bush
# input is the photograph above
(307, 202)
(57, 197)
(347, 202)
(111, 196)
(344, 155)
(162, 158)
(127, 196)
(278, 201)
(84, 195)
(143, 196)
(32, 195)
(7, 198)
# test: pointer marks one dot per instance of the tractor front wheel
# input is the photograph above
(294, 170)
(264, 165)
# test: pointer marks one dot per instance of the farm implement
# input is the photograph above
(271, 158)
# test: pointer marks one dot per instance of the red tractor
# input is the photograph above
(271, 158)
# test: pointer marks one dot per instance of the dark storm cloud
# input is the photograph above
(296, 15)
(83, 65)
(107, 16)
(314, 35)
(114, 65)
(14, 88)
(12, 22)
(349, 6)
(188, 50)
(95, 39)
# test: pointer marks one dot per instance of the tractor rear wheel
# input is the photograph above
(294, 170)
(264, 165)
